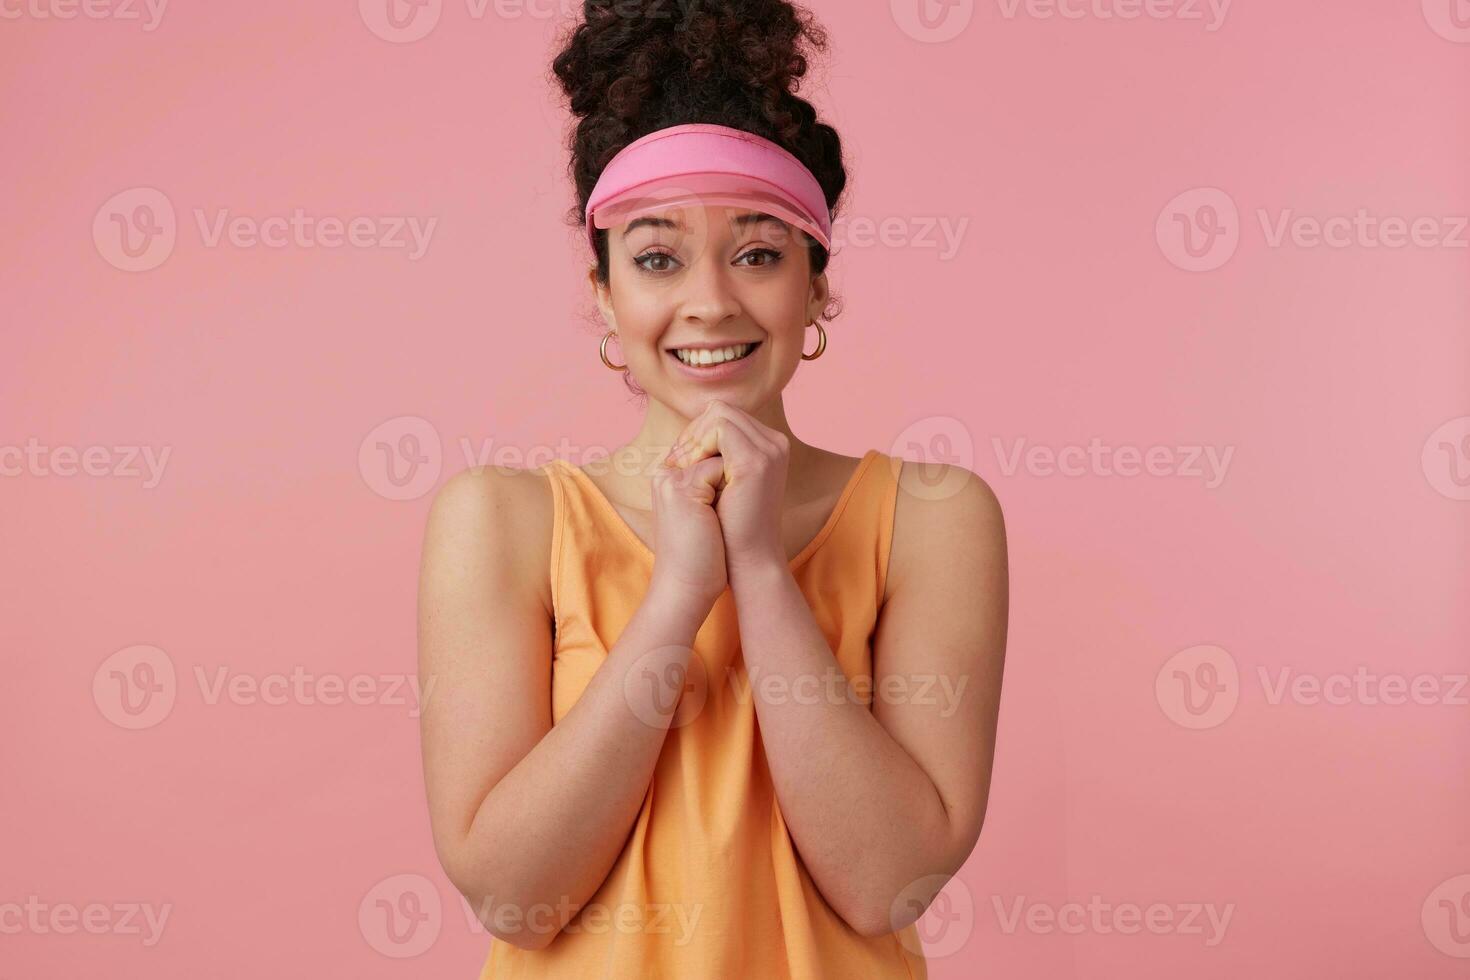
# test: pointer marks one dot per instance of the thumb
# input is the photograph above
(709, 472)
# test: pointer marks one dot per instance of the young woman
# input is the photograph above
(724, 705)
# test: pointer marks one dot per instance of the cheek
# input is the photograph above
(782, 318)
(641, 317)
(780, 303)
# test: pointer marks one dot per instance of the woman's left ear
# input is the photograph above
(819, 298)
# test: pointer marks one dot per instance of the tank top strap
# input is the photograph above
(599, 568)
(875, 498)
(558, 481)
(885, 487)
(852, 563)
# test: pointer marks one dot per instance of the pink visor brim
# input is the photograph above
(705, 190)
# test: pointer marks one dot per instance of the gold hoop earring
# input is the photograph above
(602, 351)
(821, 343)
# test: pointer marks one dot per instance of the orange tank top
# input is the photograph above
(709, 885)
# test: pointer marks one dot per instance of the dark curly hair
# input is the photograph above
(632, 67)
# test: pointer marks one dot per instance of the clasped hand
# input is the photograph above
(751, 485)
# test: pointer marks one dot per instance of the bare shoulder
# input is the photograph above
(501, 514)
(947, 519)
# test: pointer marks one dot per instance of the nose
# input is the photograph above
(707, 288)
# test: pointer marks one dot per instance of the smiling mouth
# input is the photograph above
(697, 358)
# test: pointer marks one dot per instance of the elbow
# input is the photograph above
(506, 916)
(871, 920)
(526, 926)
(871, 926)
(526, 936)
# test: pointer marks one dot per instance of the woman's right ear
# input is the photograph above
(603, 295)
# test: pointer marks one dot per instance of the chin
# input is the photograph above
(742, 398)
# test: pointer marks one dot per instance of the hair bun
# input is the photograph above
(631, 67)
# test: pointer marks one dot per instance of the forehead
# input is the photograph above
(684, 218)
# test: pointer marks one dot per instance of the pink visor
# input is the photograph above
(700, 164)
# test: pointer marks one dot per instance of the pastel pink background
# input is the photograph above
(267, 547)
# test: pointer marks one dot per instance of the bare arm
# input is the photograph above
(528, 818)
(885, 805)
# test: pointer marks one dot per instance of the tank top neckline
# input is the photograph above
(800, 558)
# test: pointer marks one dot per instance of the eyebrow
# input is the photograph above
(740, 221)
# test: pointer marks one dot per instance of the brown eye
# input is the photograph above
(643, 261)
(773, 257)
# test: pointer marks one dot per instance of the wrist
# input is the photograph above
(757, 571)
(679, 599)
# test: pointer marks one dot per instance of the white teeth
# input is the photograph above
(719, 355)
